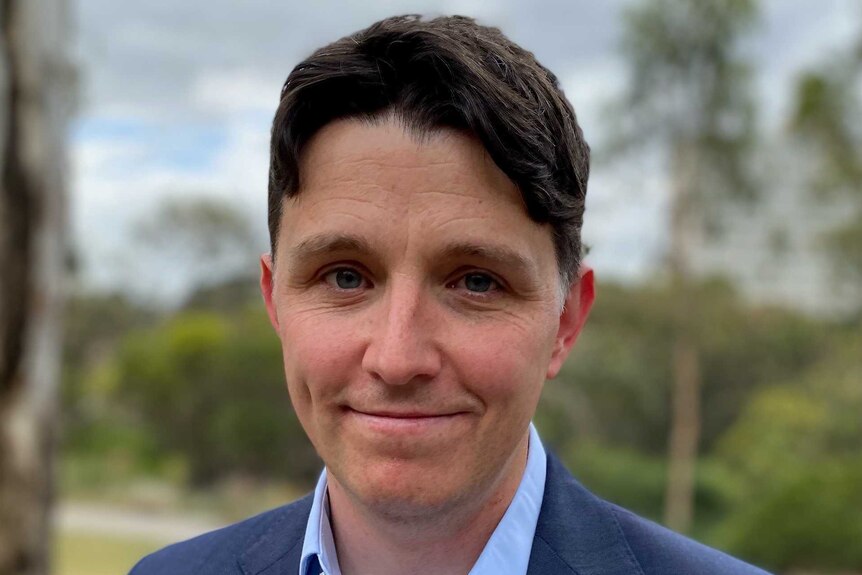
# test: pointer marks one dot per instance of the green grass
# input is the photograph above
(86, 554)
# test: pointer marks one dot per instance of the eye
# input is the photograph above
(477, 282)
(345, 279)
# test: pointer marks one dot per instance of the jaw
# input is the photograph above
(431, 496)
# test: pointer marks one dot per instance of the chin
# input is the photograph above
(403, 492)
(414, 506)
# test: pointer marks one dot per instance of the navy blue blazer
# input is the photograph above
(577, 534)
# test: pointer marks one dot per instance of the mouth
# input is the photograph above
(404, 414)
(407, 422)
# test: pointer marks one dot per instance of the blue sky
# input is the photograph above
(177, 99)
(190, 147)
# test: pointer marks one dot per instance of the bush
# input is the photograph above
(809, 520)
(211, 388)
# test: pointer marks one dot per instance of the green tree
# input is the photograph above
(827, 123)
(689, 99)
(607, 413)
(210, 388)
(94, 326)
(797, 454)
(209, 241)
(615, 385)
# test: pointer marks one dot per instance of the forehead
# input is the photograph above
(378, 180)
(384, 153)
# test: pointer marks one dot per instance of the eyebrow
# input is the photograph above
(501, 255)
(322, 244)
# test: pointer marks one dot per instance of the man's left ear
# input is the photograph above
(579, 301)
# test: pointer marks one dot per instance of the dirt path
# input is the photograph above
(119, 522)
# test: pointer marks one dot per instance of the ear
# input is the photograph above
(266, 288)
(579, 301)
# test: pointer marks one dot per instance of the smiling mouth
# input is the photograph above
(405, 422)
(405, 414)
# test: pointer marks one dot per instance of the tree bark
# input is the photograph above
(684, 436)
(35, 86)
(685, 423)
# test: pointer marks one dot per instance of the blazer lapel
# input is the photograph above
(544, 560)
(576, 532)
(278, 549)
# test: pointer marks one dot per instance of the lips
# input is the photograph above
(405, 414)
(406, 422)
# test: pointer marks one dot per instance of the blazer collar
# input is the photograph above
(277, 550)
(577, 533)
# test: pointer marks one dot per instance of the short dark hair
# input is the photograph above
(447, 72)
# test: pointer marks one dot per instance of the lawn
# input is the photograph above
(85, 554)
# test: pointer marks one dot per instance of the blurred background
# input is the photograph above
(717, 387)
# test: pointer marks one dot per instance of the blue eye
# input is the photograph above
(479, 283)
(345, 278)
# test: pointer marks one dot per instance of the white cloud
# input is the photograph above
(237, 91)
(219, 64)
(626, 219)
(590, 85)
(798, 35)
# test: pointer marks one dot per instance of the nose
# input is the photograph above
(401, 346)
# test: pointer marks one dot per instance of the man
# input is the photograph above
(427, 186)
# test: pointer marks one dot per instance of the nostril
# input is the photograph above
(397, 364)
(400, 346)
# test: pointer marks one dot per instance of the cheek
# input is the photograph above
(319, 356)
(504, 364)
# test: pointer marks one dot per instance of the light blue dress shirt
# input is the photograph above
(506, 553)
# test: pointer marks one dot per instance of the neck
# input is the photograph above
(441, 543)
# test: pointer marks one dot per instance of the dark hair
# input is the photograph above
(448, 72)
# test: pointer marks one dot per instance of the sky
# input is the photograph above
(176, 97)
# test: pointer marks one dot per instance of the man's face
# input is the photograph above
(419, 313)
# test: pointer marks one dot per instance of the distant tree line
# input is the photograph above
(736, 423)
(204, 388)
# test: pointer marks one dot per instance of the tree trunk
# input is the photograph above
(684, 435)
(685, 422)
(35, 103)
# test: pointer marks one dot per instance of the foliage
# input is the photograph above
(797, 450)
(689, 93)
(689, 99)
(827, 123)
(200, 395)
(204, 241)
(827, 116)
(93, 325)
(212, 388)
(806, 520)
(617, 379)
(783, 399)
(204, 227)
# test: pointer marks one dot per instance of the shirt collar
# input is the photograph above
(318, 546)
(507, 551)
